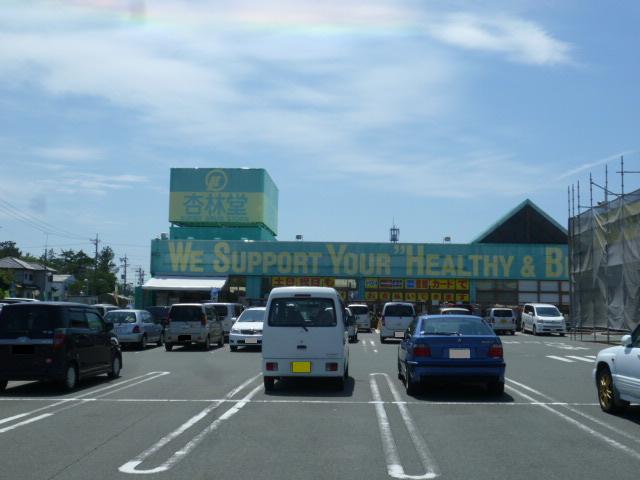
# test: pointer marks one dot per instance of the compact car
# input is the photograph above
(135, 327)
(461, 347)
(193, 323)
(247, 331)
(396, 317)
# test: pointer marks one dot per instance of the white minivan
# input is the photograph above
(542, 318)
(304, 335)
(396, 318)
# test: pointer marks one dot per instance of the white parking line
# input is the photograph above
(582, 359)
(392, 459)
(365, 346)
(562, 359)
(610, 441)
(373, 344)
(79, 400)
(132, 465)
(568, 406)
(592, 357)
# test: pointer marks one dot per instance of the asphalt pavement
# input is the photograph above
(189, 414)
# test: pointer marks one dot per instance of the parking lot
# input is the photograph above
(200, 415)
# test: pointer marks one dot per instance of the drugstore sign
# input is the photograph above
(477, 261)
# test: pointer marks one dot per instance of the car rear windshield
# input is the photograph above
(302, 312)
(251, 316)
(186, 313)
(221, 310)
(120, 317)
(359, 310)
(548, 312)
(455, 326)
(503, 313)
(29, 321)
(398, 311)
(158, 313)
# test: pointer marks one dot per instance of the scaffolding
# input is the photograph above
(604, 255)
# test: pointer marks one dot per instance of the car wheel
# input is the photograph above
(409, 385)
(168, 347)
(233, 348)
(161, 340)
(70, 378)
(607, 395)
(496, 388)
(221, 341)
(355, 339)
(143, 343)
(562, 334)
(3, 385)
(383, 339)
(399, 371)
(534, 331)
(268, 383)
(116, 366)
(339, 383)
(206, 346)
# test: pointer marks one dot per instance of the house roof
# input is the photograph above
(526, 223)
(18, 264)
(63, 278)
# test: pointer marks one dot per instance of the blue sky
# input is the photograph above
(441, 114)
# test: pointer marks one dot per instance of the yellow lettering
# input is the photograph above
(383, 264)
(433, 264)
(195, 263)
(336, 258)
(255, 259)
(554, 262)
(221, 253)
(475, 262)
(506, 263)
(315, 262)
(300, 263)
(180, 256)
(448, 267)
(269, 260)
(367, 267)
(490, 266)
(285, 262)
(350, 264)
(416, 260)
(461, 267)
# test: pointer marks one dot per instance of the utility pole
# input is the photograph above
(95, 242)
(140, 273)
(125, 263)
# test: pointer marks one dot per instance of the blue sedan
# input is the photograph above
(453, 346)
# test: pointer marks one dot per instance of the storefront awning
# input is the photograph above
(185, 283)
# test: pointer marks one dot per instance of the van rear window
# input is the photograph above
(31, 321)
(302, 312)
(398, 311)
(359, 310)
(186, 313)
(502, 313)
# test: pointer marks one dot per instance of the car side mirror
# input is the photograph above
(626, 341)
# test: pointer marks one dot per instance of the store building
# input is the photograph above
(222, 244)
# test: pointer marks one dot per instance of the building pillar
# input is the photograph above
(361, 289)
(254, 287)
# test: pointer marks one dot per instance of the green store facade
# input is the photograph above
(222, 244)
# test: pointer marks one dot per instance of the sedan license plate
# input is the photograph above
(399, 335)
(251, 340)
(459, 353)
(301, 367)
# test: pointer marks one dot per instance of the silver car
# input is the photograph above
(247, 330)
(190, 323)
(135, 327)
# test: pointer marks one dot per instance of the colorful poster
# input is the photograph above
(410, 284)
(449, 297)
(436, 297)
(385, 283)
(397, 296)
(462, 297)
(371, 296)
(385, 296)
(410, 296)
(462, 284)
(370, 283)
(423, 297)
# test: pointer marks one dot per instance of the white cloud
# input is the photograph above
(72, 154)
(522, 40)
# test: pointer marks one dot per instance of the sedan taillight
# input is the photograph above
(422, 351)
(496, 351)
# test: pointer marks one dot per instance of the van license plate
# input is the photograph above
(459, 353)
(301, 367)
(399, 334)
(251, 340)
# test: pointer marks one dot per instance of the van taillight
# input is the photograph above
(59, 339)
(331, 367)
(496, 351)
(272, 366)
(422, 351)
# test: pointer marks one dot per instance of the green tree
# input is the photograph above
(9, 249)
(6, 279)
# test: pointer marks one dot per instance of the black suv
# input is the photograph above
(58, 341)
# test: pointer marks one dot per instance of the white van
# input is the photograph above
(396, 318)
(501, 319)
(228, 314)
(304, 335)
(542, 318)
(362, 314)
